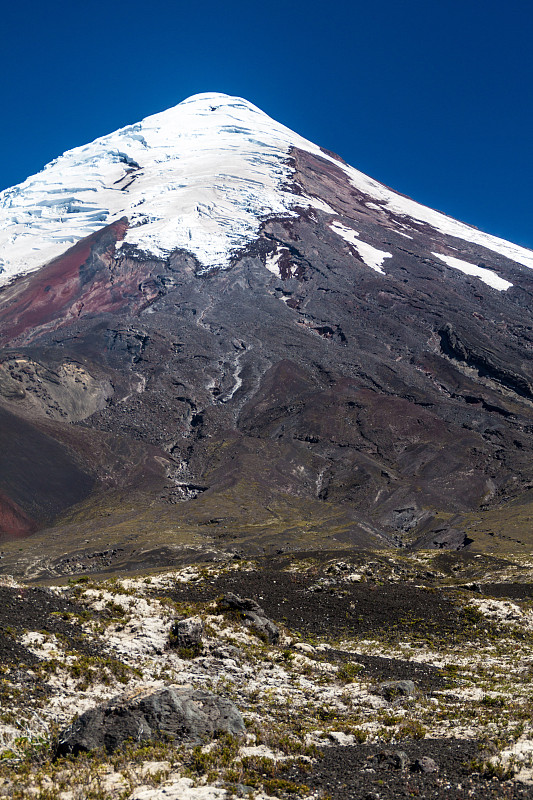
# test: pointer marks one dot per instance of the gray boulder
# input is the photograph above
(425, 764)
(184, 715)
(252, 614)
(187, 633)
(392, 690)
(391, 759)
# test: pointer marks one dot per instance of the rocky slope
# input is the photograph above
(388, 676)
(280, 354)
(265, 478)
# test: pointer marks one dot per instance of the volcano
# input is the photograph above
(219, 338)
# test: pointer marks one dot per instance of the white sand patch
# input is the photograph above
(146, 630)
(340, 738)
(42, 645)
(262, 751)
(501, 610)
(181, 789)
(520, 756)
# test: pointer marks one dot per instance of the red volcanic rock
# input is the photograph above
(76, 283)
(13, 521)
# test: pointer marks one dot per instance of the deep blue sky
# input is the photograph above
(432, 97)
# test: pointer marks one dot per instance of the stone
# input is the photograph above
(401, 759)
(252, 614)
(304, 647)
(176, 713)
(392, 759)
(340, 738)
(187, 633)
(392, 690)
(424, 764)
(225, 651)
(241, 790)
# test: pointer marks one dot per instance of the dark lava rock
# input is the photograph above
(424, 765)
(187, 633)
(448, 538)
(397, 759)
(13, 653)
(252, 614)
(426, 677)
(392, 690)
(188, 715)
(513, 591)
(361, 772)
(390, 609)
(225, 651)
(38, 609)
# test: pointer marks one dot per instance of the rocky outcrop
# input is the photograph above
(486, 360)
(187, 634)
(174, 713)
(252, 615)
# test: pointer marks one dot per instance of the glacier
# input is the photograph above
(200, 176)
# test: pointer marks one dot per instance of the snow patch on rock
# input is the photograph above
(272, 261)
(371, 256)
(488, 276)
(409, 209)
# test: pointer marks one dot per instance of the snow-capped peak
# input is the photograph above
(200, 176)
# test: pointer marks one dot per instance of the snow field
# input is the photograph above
(201, 176)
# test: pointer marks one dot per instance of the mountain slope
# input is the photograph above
(262, 349)
(201, 176)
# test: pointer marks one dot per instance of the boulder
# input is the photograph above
(187, 633)
(252, 614)
(392, 690)
(390, 759)
(181, 714)
(424, 764)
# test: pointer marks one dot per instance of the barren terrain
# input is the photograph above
(451, 631)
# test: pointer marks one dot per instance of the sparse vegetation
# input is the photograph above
(297, 698)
